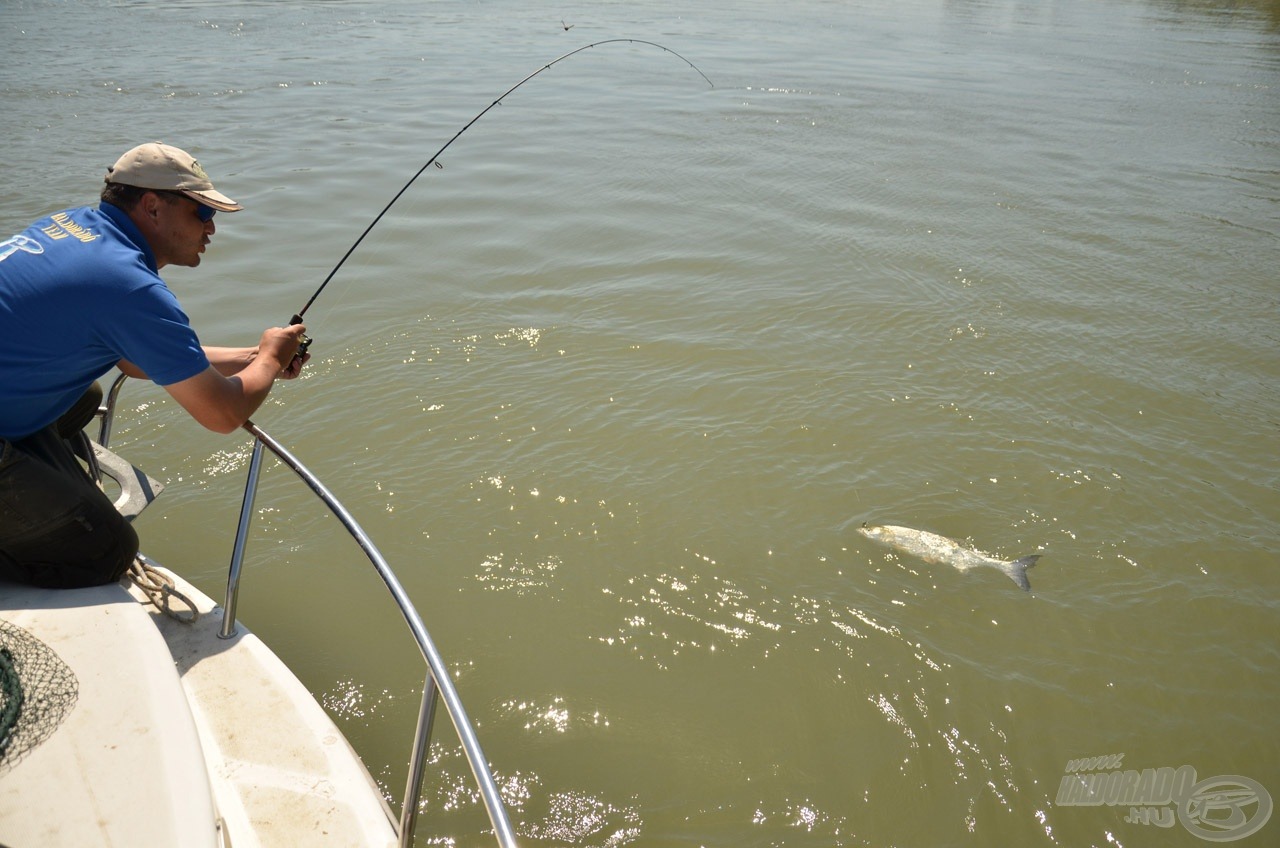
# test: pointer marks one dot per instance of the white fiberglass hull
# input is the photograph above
(177, 737)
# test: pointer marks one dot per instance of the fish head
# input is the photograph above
(873, 532)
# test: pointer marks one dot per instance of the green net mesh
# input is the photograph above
(37, 692)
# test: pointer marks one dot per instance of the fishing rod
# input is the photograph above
(297, 318)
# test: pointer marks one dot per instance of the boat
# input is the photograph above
(143, 713)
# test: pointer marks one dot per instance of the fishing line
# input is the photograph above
(297, 318)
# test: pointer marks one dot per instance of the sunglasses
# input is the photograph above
(204, 213)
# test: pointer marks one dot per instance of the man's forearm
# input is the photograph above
(230, 361)
(227, 361)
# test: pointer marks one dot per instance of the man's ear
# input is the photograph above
(149, 204)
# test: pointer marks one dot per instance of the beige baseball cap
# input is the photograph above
(160, 166)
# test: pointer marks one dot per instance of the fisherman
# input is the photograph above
(80, 293)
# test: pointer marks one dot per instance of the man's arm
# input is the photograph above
(237, 381)
(230, 360)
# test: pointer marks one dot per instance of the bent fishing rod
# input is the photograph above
(434, 160)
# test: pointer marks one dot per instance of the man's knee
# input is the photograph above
(121, 549)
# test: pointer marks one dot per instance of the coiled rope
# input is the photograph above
(159, 589)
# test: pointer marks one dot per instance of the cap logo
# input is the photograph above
(198, 171)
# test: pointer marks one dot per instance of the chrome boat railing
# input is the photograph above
(437, 685)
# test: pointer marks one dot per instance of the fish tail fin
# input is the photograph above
(1017, 570)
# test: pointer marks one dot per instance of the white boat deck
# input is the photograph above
(178, 737)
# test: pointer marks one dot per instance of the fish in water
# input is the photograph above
(939, 550)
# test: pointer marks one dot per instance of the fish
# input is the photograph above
(939, 550)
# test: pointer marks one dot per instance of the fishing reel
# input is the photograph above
(306, 340)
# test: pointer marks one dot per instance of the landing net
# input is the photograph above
(37, 692)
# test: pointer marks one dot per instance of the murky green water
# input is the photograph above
(614, 388)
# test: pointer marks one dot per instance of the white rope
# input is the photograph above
(159, 588)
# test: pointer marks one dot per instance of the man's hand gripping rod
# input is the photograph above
(306, 340)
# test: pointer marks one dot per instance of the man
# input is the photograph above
(80, 293)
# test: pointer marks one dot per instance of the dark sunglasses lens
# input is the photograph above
(205, 213)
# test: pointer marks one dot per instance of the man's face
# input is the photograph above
(183, 229)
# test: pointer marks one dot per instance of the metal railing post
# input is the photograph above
(108, 410)
(228, 628)
(418, 762)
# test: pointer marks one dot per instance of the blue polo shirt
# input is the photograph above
(79, 291)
